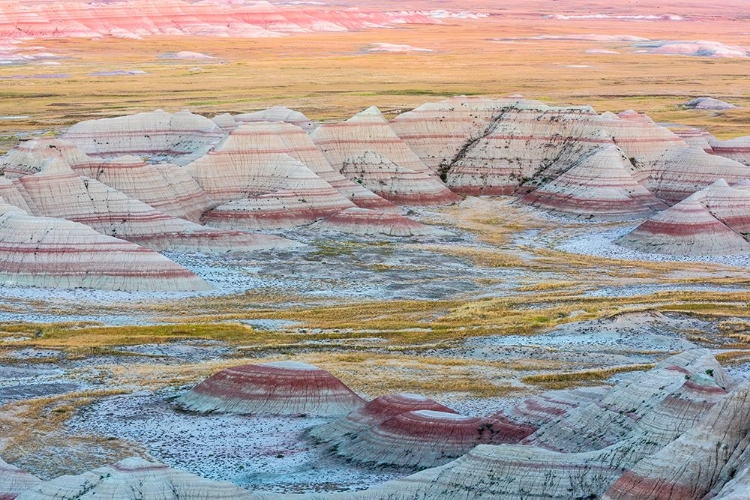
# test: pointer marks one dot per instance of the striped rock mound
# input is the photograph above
(643, 417)
(166, 187)
(267, 140)
(526, 138)
(699, 462)
(438, 132)
(364, 222)
(373, 413)
(14, 481)
(31, 156)
(277, 114)
(599, 183)
(682, 173)
(61, 193)
(369, 132)
(628, 406)
(710, 222)
(395, 183)
(39, 251)
(280, 388)
(425, 438)
(135, 479)
(738, 488)
(735, 149)
(550, 406)
(177, 138)
(258, 190)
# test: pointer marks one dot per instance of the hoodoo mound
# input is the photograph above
(14, 481)
(40, 251)
(280, 388)
(714, 221)
(135, 479)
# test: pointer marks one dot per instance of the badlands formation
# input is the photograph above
(180, 182)
(341, 273)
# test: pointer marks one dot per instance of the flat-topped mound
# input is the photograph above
(280, 388)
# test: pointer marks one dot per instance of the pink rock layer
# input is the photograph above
(135, 479)
(366, 222)
(61, 193)
(551, 406)
(13, 481)
(710, 222)
(141, 18)
(178, 138)
(425, 438)
(262, 189)
(282, 388)
(39, 251)
(373, 413)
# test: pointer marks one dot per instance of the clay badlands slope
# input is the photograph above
(153, 178)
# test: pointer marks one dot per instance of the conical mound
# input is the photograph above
(30, 157)
(268, 140)
(39, 251)
(262, 190)
(280, 388)
(135, 479)
(61, 193)
(178, 138)
(13, 481)
(368, 131)
(364, 222)
(395, 183)
(730, 205)
(687, 228)
(599, 184)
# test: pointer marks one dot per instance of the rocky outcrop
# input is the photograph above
(13, 481)
(710, 103)
(135, 479)
(277, 114)
(40, 251)
(279, 388)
